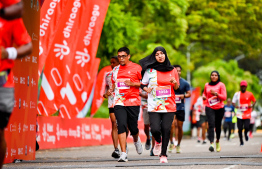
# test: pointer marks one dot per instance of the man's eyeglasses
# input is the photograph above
(122, 56)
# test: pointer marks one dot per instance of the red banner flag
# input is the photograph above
(194, 96)
(72, 66)
(99, 89)
(51, 13)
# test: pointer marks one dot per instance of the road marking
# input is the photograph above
(232, 166)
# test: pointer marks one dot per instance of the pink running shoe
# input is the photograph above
(157, 149)
(163, 159)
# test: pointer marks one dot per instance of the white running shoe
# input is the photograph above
(163, 159)
(123, 157)
(157, 149)
(139, 146)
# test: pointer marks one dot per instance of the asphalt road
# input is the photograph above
(194, 155)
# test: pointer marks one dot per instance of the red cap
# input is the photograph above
(243, 83)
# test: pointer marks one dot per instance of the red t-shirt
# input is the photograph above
(12, 32)
(6, 3)
(126, 95)
(215, 102)
(244, 100)
(162, 97)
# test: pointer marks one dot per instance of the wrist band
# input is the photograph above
(12, 53)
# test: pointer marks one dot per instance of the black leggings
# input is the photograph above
(160, 124)
(227, 125)
(240, 124)
(214, 119)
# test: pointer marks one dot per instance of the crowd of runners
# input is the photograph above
(157, 86)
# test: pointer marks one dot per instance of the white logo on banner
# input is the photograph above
(62, 50)
(34, 59)
(13, 152)
(82, 57)
(41, 50)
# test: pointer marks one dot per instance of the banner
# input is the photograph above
(57, 132)
(20, 133)
(72, 66)
(194, 96)
(50, 16)
(99, 89)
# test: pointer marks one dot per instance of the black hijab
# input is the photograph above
(151, 62)
(218, 80)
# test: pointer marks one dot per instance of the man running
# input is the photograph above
(12, 32)
(126, 83)
(229, 112)
(114, 62)
(242, 101)
(181, 93)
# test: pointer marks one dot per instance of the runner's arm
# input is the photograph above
(12, 12)
(22, 51)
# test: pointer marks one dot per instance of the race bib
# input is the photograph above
(239, 115)
(121, 84)
(178, 99)
(213, 100)
(243, 107)
(227, 114)
(163, 91)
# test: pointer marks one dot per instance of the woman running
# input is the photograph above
(215, 93)
(160, 79)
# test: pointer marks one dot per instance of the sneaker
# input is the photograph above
(123, 157)
(250, 136)
(204, 142)
(246, 137)
(151, 152)
(163, 159)
(171, 146)
(211, 148)
(198, 140)
(157, 149)
(148, 144)
(139, 146)
(218, 148)
(232, 136)
(116, 153)
(241, 144)
(178, 149)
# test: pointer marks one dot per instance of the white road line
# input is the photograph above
(232, 166)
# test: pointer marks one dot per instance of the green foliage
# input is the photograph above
(230, 75)
(103, 111)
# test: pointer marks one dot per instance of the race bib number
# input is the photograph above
(121, 84)
(213, 100)
(239, 115)
(227, 114)
(243, 107)
(163, 91)
(178, 99)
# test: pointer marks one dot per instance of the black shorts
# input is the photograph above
(4, 119)
(194, 125)
(111, 110)
(180, 115)
(126, 118)
(202, 120)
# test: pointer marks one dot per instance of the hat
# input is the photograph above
(243, 83)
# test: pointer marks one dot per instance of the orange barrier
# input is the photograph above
(57, 132)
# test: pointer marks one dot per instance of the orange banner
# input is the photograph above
(57, 132)
(20, 133)
(194, 96)
(50, 16)
(99, 89)
(72, 67)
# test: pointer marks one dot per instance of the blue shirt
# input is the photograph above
(228, 113)
(183, 88)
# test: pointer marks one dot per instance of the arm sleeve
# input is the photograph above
(145, 80)
(20, 34)
(223, 92)
(234, 100)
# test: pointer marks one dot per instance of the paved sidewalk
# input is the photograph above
(194, 155)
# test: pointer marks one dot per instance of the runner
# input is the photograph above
(229, 112)
(193, 120)
(202, 123)
(160, 79)
(215, 93)
(181, 93)
(242, 101)
(126, 82)
(252, 123)
(114, 62)
(12, 32)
